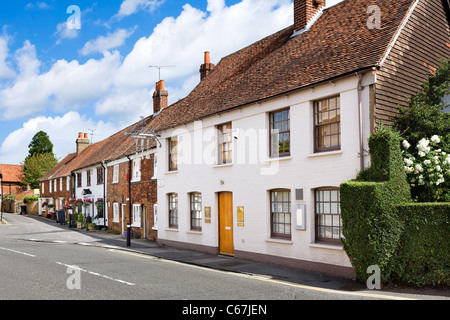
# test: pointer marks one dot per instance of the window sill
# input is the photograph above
(194, 232)
(171, 229)
(171, 172)
(280, 241)
(327, 246)
(223, 165)
(277, 159)
(326, 153)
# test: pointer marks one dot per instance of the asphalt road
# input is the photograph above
(39, 261)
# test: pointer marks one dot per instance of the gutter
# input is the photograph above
(130, 162)
(104, 192)
(360, 121)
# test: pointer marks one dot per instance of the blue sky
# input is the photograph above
(96, 79)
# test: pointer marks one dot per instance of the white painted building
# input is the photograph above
(254, 178)
(252, 159)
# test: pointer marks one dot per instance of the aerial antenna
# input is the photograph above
(159, 69)
(141, 133)
(92, 135)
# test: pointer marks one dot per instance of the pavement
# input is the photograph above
(268, 272)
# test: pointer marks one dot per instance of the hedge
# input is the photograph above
(423, 256)
(371, 229)
(381, 226)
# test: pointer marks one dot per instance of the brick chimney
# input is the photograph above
(304, 11)
(160, 97)
(206, 67)
(82, 142)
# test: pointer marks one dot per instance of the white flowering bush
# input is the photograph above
(428, 169)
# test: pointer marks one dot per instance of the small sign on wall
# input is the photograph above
(240, 216)
(300, 216)
(207, 214)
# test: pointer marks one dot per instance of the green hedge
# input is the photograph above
(381, 226)
(423, 255)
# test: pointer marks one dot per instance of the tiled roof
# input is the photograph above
(11, 173)
(116, 146)
(339, 43)
(54, 172)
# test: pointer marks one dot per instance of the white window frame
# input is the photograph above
(136, 169)
(115, 174)
(116, 215)
(136, 215)
(60, 184)
(155, 166)
(43, 187)
(68, 183)
(51, 186)
(155, 217)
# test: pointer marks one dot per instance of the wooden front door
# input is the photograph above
(226, 245)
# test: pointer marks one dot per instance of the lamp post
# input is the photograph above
(1, 198)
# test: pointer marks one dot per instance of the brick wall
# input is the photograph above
(143, 192)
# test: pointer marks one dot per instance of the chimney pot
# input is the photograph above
(160, 97)
(86, 136)
(80, 135)
(207, 67)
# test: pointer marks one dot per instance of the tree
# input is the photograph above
(424, 117)
(36, 166)
(40, 159)
(40, 144)
(426, 132)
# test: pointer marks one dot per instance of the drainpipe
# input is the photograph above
(130, 162)
(104, 193)
(361, 143)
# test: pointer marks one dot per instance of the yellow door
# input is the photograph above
(226, 245)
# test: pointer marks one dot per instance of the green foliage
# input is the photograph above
(381, 226)
(40, 144)
(29, 199)
(423, 255)
(36, 166)
(424, 117)
(370, 227)
(80, 217)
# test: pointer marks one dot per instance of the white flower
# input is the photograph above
(408, 161)
(438, 168)
(406, 144)
(427, 162)
(418, 168)
(435, 138)
(422, 154)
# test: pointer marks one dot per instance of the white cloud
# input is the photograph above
(62, 32)
(62, 131)
(38, 4)
(181, 41)
(5, 70)
(66, 86)
(129, 7)
(111, 41)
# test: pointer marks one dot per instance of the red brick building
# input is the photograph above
(11, 182)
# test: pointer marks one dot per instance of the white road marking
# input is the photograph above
(96, 274)
(19, 252)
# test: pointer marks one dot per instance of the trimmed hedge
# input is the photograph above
(371, 229)
(423, 256)
(381, 226)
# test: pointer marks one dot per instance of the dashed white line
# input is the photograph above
(96, 274)
(18, 252)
